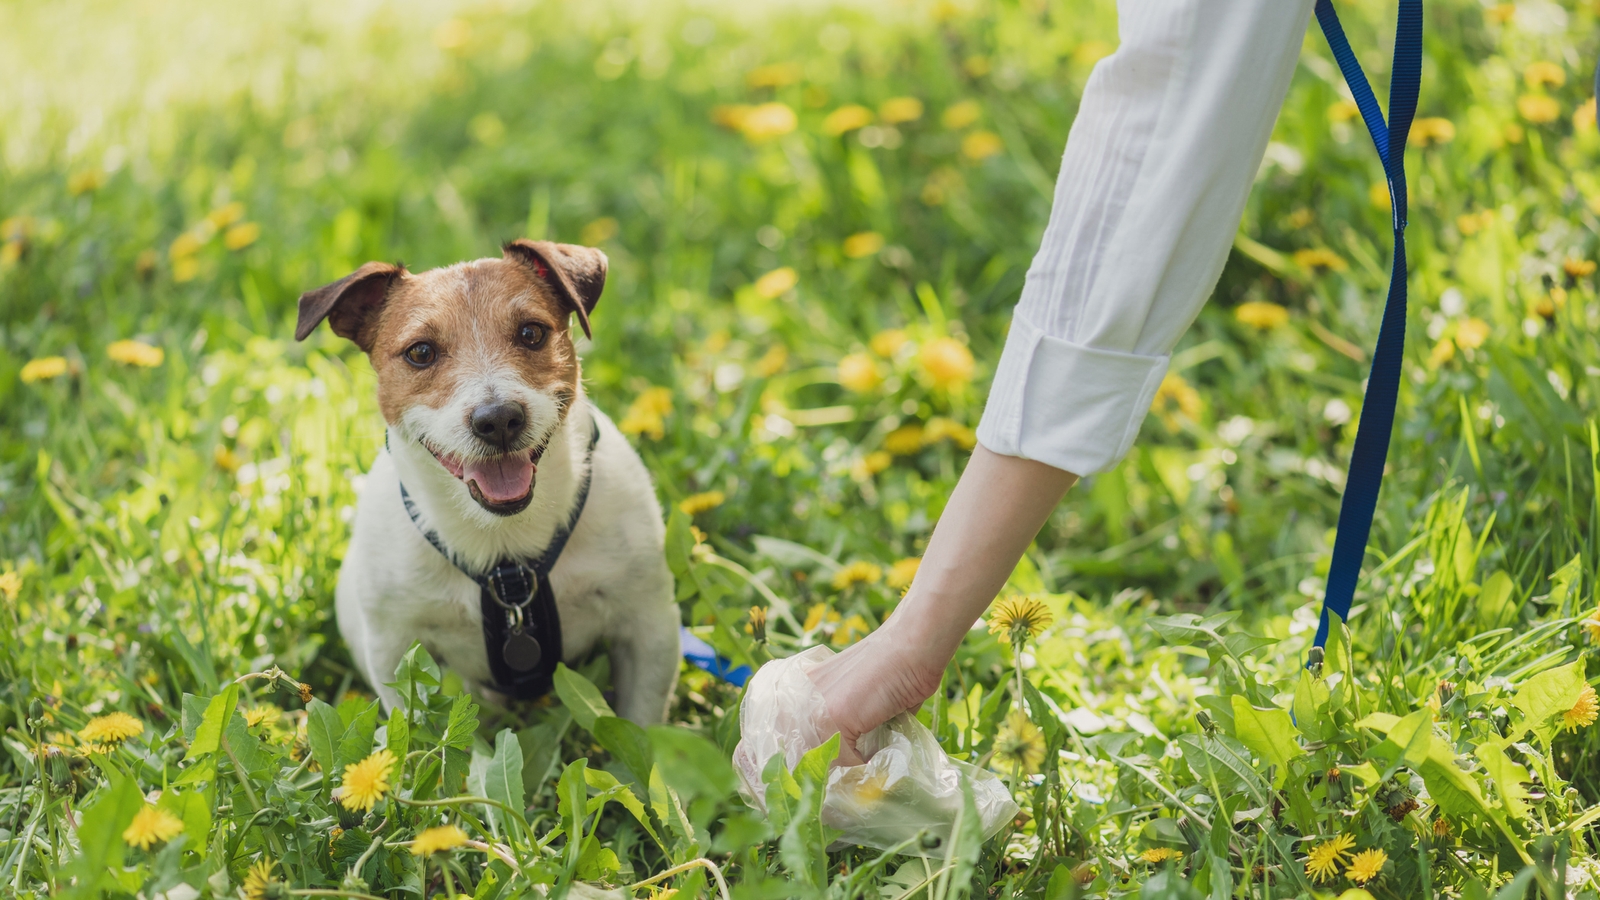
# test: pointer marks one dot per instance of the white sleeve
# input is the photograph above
(1156, 173)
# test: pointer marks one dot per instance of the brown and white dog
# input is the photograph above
(490, 433)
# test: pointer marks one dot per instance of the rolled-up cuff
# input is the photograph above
(1073, 407)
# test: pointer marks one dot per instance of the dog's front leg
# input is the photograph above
(644, 661)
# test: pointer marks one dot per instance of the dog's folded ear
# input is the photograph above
(348, 303)
(578, 274)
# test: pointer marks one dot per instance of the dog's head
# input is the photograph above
(476, 360)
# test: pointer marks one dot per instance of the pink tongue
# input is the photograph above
(502, 479)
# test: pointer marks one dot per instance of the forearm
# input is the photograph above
(998, 506)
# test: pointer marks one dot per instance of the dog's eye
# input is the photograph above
(532, 335)
(421, 354)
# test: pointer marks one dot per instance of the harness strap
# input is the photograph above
(521, 625)
(1383, 382)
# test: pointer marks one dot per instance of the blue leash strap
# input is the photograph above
(1383, 382)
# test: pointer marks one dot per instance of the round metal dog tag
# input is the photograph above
(521, 652)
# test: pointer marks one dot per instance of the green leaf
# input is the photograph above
(208, 737)
(100, 845)
(572, 794)
(1269, 733)
(1311, 697)
(612, 789)
(1508, 777)
(462, 725)
(417, 676)
(356, 741)
(397, 735)
(1494, 601)
(692, 764)
(679, 542)
(628, 743)
(253, 756)
(1547, 695)
(580, 697)
(195, 810)
(323, 730)
(814, 765)
(503, 779)
(1219, 757)
(1187, 628)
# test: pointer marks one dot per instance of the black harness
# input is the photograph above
(521, 626)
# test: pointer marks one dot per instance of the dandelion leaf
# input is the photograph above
(323, 730)
(208, 737)
(628, 743)
(1269, 733)
(580, 697)
(1547, 695)
(1508, 778)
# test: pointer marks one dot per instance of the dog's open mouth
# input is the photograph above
(500, 484)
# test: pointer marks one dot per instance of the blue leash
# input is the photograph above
(1383, 382)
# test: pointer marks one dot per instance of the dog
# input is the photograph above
(494, 457)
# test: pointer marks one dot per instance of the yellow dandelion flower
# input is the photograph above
(1319, 258)
(1343, 111)
(241, 235)
(1591, 625)
(1470, 224)
(1378, 196)
(185, 245)
(1433, 130)
(1443, 352)
(902, 572)
(694, 504)
(136, 353)
(977, 65)
(863, 244)
(1578, 268)
(437, 840)
(980, 145)
(846, 118)
(85, 181)
(647, 414)
(946, 362)
(226, 459)
(112, 728)
(226, 215)
(185, 269)
(43, 369)
(730, 115)
(1544, 73)
(1019, 745)
(818, 616)
(1584, 712)
(1322, 863)
(151, 826)
(1583, 117)
(896, 110)
(1090, 52)
(771, 362)
(1472, 333)
(757, 626)
(1175, 397)
(1538, 109)
(10, 585)
(959, 115)
(259, 715)
(903, 441)
(776, 283)
(940, 428)
(767, 121)
(452, 34)
(1156, 855)
(851, 630)
(367, 781)
(258, 882)
(599, 231)
(1261, 315)
(858, 572)
(871, 464)
(774, 75)
(888, 342)
(1501, 12)
(1366, 865)
(1019, 618)
(858, 373)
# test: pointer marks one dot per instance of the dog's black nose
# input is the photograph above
(499, 423)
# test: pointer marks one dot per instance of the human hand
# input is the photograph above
(884, 674)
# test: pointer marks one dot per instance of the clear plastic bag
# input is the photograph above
(907, 786)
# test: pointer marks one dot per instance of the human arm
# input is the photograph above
(994, 512)
(1153, 182)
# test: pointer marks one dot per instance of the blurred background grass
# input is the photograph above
(813, 213)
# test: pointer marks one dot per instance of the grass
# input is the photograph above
(783, 329)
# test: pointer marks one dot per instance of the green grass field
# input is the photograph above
(818, 219)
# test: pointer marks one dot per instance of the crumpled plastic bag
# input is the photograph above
(907, 786)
